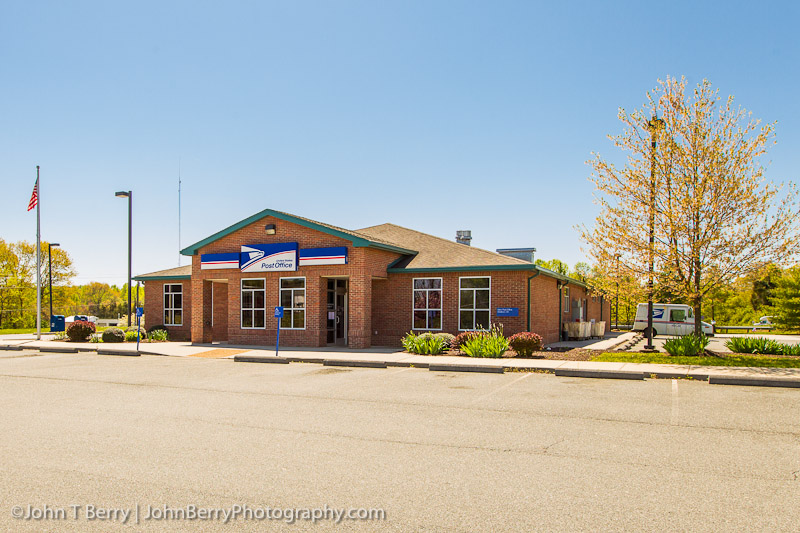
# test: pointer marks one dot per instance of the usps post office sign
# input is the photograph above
(276, 257)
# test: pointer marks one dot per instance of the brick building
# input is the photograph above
(354, 288)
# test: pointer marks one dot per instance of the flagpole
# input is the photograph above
(38, 262)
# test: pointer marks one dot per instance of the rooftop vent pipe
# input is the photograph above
(463, 236)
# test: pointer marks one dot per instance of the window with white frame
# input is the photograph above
(254, 301)
(293, 301)
(474, 303)
(427, 303)
(566, 300)
(173, 304)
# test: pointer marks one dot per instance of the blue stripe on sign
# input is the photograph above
(334, 251)
(207, 258)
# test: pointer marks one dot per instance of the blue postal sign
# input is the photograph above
(268, 257)
(508, 311)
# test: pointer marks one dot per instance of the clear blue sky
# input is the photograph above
(435, 115)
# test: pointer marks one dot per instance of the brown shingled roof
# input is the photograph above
(435, 252)
(183, 271)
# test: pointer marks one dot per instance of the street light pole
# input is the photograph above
(50, 277)
(654, 125)
(616, 305)
(129, 196)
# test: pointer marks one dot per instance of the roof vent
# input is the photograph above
(526, 254)
(463, 236)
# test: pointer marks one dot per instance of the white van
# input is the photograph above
(669, 319)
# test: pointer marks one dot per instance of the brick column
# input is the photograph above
(201, 310)
(360, 312)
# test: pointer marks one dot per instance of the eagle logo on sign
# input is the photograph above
(253, 256)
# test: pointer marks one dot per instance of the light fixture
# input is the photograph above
(270, 229)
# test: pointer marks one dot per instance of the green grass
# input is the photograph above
(23, 330)
(704, 360)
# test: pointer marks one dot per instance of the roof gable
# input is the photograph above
(357, 239)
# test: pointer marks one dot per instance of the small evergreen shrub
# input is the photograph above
(80, 331)
(488, 344)
(760, 345)
(424, 344)
(688, 345)
(130, 336)
(448, 338)
(142, 332)
(525, 343)
(157, 327)
(159, 335)
(113, 335)
(464, 336)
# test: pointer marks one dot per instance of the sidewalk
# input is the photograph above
(390, 357)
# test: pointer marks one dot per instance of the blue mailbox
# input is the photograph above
(57, 323)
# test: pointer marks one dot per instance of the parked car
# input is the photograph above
(765, 321)
(73, 318)
(669, 319)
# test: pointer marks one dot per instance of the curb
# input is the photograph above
(754, 381)
(50, 349)
(318, 360)
(11, 347)
(406, 364)
(260, 359)
(466, 368)
(364, 364)
(118, 352)
(607, 374)
(677, 375)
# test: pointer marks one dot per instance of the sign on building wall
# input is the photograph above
(274, 257)
(508, 311)
(323, 256)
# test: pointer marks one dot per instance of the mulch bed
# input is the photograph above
(573, 354)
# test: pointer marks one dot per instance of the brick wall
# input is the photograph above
(154, 307)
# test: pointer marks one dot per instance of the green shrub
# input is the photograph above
(525, 343)
(157, 327)
(760, 345)
(130, 336)
(686, 345)
(489, 344)
(448, 338)
(113, 335)
(80, 331)
(159, 335)
(424, 344)
(465, 336)
(95, 339)
(142, 331)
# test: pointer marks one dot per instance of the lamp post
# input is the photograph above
(129, 196)
(654, 125)
(50, 268)
(616, 304)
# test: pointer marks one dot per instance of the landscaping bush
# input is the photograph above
(448, 338)
(142, 332)
(157, 327)
(159, 335)
(686, 345)
(525, 343)
(464, 336)
(760, 345)
(424, 344)
(80, 331)
(489, 344)
(130, 336)
(113, 335)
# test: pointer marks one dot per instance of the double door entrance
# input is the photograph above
(336, 309)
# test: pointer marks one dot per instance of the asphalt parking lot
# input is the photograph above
(436, 451)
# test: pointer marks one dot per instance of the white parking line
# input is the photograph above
(498, 389)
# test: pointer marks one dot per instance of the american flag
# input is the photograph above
(35, 196)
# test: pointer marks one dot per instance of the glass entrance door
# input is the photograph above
(336, 310)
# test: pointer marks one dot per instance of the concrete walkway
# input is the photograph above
(390, 357)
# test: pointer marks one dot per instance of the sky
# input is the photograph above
(434, 115)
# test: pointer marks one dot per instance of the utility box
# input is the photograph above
(57, 323)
